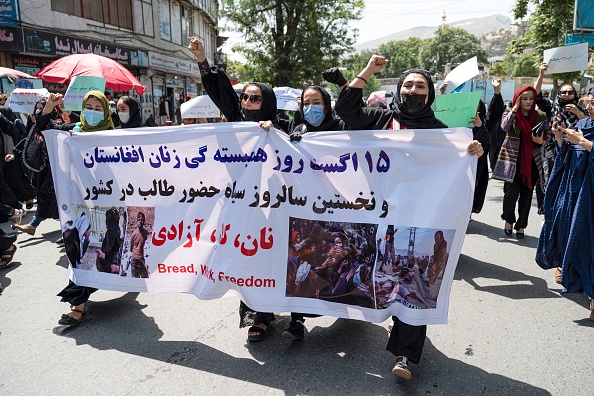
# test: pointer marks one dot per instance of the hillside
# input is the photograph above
(476, 26)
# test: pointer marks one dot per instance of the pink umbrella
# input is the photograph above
(116, 75)
(13, 74)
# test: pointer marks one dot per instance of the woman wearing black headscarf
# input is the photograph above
(315, 109)
(129, 112)
(412, 110)
(256, 103)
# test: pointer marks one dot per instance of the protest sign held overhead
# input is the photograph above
(565, 59)
(23, 100)
(78, 87)
(462, 73)
(228, 209)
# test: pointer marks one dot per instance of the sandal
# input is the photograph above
(260, 333)
(67, 320)
(17, 216)
(508, 231)
(7, 256)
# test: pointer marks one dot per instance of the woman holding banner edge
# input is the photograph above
(414, 95)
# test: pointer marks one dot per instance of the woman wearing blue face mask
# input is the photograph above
(316, 111)
(96, 115)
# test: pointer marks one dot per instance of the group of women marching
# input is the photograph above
(544, 146)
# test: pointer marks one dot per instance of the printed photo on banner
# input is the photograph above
(411, 264)
(331, 261)
(93, 238)
(137, 244)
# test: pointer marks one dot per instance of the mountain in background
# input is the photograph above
(477, 26)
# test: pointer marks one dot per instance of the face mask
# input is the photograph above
(564, 102)
(93, 117)
(249, 115)
(37, 112)
(413, 103)
(124, 116)
(314, 114)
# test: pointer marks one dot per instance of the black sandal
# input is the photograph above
(261, 333)
(7, 256)
(67, 320)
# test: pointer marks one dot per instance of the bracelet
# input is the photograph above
(361, 78)
(204, 68)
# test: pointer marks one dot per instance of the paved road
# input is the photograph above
(510, 333)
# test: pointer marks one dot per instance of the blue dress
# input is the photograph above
(567, 236)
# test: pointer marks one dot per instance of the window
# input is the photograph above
(186, 25)
(112, 12)
(143, 18)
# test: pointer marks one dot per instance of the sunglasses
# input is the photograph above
(255, 99)
(566, 92)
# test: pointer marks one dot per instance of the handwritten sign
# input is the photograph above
(223, 204)
(464, 72)
(455, 110)
(566, 59)
(200, 107)
(77, 89)
(286, 98)
(23, 100)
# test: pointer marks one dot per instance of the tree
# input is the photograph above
(450, 45)
(403, 55)
(517, 66)
(549, 22)
(290, 42)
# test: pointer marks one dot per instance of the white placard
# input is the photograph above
(200, 107)
(286, 98)
(23, 100)
(462, 73)
(565, 59)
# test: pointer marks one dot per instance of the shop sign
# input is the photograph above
(168, 63)
(9, 12)
(11, 39)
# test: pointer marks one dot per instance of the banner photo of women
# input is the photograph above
(351, 224)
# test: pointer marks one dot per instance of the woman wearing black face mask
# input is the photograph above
(414, 95)
(566, 106)
(256, 103)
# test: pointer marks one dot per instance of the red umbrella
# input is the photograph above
(12, 73)
(116, 75)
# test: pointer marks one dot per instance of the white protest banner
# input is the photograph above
(23, 100)
(200, 107)
(566, 59)
(462, 73)
(227, 209)
(286, 98)
(77, 89)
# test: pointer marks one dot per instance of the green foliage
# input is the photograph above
(450, 45)
(290, 42)
(549, 22)
(403, 55)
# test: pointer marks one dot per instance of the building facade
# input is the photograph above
(149, 37)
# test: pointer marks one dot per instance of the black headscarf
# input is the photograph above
(329, 123)
(569, 119)
(268, 110)
(135, 120)
(8, 113)
(423, 119)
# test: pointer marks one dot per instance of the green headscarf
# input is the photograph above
(107, 123)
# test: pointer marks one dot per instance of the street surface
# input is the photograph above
(510, 332)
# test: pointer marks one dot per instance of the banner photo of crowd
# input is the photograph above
(357, 224)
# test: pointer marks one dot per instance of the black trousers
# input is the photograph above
(406, 340)
(520, 193)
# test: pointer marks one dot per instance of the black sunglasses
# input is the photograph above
(566, 92)
(255, 99)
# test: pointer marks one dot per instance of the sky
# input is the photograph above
(383, 17)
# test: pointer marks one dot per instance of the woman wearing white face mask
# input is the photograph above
(129, 112)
